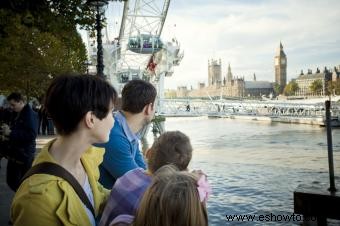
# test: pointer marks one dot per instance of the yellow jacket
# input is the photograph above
(47, 200)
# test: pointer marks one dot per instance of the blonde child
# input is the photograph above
(173, 198)
(171, 147)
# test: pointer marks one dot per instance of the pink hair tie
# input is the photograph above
(204, 189)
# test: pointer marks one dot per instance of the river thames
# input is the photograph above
(254, 167)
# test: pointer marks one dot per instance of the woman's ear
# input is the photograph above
(89, 119)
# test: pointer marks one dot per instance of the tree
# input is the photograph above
(337, 87)
(334, 87)
(316, 87)
(291, 88)
(45, 12)
(39, 40)
(277, 89)
(29, 58)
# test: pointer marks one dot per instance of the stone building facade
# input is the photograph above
(336, 74)
(258, 88)
(230, 86)
(214, 73)
(305, 81)
(182, 91)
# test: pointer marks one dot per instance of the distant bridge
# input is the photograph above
(195, 107)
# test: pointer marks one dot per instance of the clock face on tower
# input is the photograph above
(276, 61)
(283, 61)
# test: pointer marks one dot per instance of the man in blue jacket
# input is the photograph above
(122, 152)
(21, 136)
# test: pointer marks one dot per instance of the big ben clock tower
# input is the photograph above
(281, 68)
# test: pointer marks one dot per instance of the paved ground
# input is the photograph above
(6, 195)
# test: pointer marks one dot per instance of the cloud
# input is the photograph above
(247, 34)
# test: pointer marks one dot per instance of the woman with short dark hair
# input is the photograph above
(81, 109)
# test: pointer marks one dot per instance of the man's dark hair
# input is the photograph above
(136, 94)
(172, 147)
(16, 97)
(70, 97)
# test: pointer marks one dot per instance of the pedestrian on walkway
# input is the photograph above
(81, 108)
(6, 117)
(43, 120)
(21, 135)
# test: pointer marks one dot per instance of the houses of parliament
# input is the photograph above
(236, 86)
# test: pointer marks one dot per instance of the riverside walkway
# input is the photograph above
(6, 194)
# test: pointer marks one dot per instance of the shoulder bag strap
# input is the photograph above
(58, 171)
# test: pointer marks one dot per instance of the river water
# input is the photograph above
(254, 167)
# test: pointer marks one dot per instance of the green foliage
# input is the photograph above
(334, 87)
(39, 40)
(158, 119)
(291, 88)
(316, 87)
(45, 12)
(74, 12)
(277, 89)
(337, 87)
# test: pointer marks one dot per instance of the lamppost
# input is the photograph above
(87, 64)
(99, 4)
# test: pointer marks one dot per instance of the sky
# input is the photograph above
(247, 34)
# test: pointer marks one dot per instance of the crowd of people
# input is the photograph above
(93, 172)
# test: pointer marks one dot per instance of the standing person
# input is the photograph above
(122, 152)
(81, 108)
(172, 147)
(6, 117)
(21, 137)
(44, 120)
(35, 106)
(39, 119)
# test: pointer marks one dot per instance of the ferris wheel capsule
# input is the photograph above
(145, 44)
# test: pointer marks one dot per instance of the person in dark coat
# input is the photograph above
(21, 136)
(43, 119)
(6, 117)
